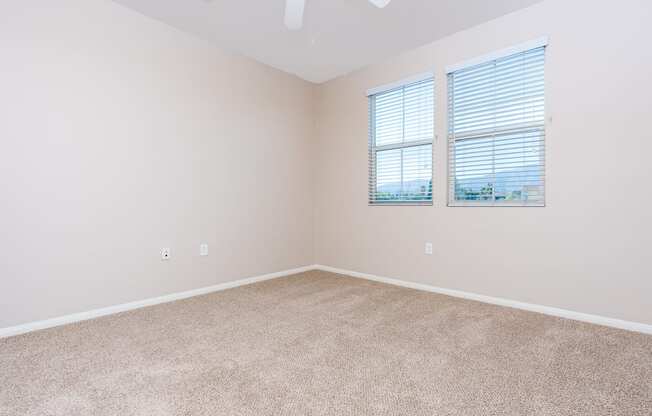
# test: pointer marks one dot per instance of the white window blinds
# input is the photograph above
(401, 130)
(497, 131)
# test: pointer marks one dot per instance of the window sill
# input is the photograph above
(400, 204)
(496, 204)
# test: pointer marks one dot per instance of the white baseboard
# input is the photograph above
(96, 313)
(547, 310)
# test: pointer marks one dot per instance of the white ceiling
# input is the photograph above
(338, 36)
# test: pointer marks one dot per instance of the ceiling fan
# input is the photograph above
(294, 11)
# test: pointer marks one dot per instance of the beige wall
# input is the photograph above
(589, 249)
(119, 136)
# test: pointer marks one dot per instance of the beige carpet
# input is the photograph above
(319, 344)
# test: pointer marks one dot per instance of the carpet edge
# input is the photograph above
(124, 307)
(531, 307)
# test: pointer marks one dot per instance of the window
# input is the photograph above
(401, 131)
(496, 130)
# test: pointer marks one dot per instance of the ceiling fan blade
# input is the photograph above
(294, 14)
(380, 3)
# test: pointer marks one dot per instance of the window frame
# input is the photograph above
(479, 134)
(373, 149)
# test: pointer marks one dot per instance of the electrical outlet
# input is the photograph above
(165, 254)
(428, 248)
(203, 249)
